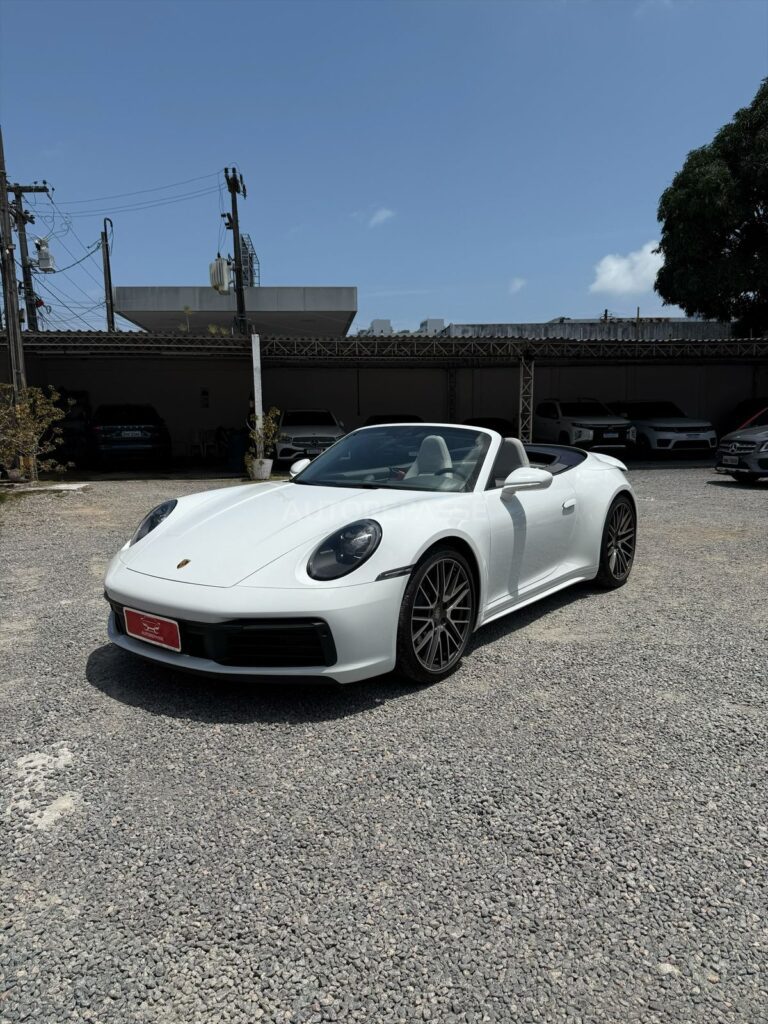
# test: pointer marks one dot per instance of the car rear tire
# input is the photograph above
(617, 548)
(436, 617)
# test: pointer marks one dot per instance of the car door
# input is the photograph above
(530, 538)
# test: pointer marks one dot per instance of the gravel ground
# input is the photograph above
(572, 828)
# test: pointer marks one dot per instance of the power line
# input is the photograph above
(61, 302)
(143, 191)
(143, 206)
(97, 246)
(82, 244)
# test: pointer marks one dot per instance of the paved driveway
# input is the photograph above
(572, 828)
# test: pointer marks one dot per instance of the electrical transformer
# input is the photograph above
(220, 275)
(45, 262)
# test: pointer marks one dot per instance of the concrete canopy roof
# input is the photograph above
(287, 312)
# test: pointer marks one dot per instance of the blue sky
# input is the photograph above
(468, 160)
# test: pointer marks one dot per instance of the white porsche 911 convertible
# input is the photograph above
(386, 552)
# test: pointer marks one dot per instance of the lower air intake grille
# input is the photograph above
(255, 643)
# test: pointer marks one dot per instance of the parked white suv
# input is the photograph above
(305, 433)
(583, 422)
(664, 427)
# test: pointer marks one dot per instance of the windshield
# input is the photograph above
(647, 410)
(308, 418)
(425, 458)
(584, 409)
(761, 420)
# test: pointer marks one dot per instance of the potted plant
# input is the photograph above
(262, 434)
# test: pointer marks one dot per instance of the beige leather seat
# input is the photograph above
(511, 456)
(433, 456)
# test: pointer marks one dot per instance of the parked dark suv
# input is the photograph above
(137, 432)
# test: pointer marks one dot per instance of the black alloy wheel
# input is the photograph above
(436, 617)
(617, 550)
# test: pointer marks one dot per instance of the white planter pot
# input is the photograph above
(260, 469)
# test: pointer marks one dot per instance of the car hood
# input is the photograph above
(226, 536)
(668, 422)
(599, 421)
(746, 434)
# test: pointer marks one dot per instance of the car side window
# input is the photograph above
(548, 410)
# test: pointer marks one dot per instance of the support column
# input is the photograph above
(451, 395)
(525, 406)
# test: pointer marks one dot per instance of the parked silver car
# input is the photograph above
(306, 433)
(743, 454)
(583, 422)
(664, 427)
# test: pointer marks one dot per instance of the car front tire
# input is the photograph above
(617, 547)
(437, 616)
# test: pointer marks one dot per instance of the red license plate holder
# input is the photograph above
(152, 629)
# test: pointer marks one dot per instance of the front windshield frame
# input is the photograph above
(475, 443)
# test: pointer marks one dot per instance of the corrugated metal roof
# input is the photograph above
(388, 350)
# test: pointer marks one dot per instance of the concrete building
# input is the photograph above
(287, 312)
(611, 329)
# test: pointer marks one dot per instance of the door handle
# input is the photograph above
(568, 504)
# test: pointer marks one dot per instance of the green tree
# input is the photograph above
(29, 435)
(714, 218)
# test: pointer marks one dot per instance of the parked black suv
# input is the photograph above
(137, 432)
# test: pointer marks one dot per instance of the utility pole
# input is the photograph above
(23, 217)
(10, 287)
(108, 276)
(236, 187)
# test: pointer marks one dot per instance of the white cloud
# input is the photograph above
(381, 216)
(516, 285)
(630, 274)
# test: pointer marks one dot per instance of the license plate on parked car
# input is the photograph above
(130, 433)
(611, 433)
(730, 460)
(313, 451)
(153, 629)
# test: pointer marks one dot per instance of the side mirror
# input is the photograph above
(526, 478)
(298, 467)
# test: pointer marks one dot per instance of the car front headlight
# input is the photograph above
(153, 519)
(285, 439)
(632, 434)
(764, 446)
(345, 550)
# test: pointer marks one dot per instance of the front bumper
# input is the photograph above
(753, 463)
(694, 440)
(361, 623)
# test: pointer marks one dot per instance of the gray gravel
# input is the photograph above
(572, 828)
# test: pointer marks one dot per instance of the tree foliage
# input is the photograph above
(263, 432)
(714, 219)
(28, 432)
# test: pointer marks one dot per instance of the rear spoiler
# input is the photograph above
(609, 459)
